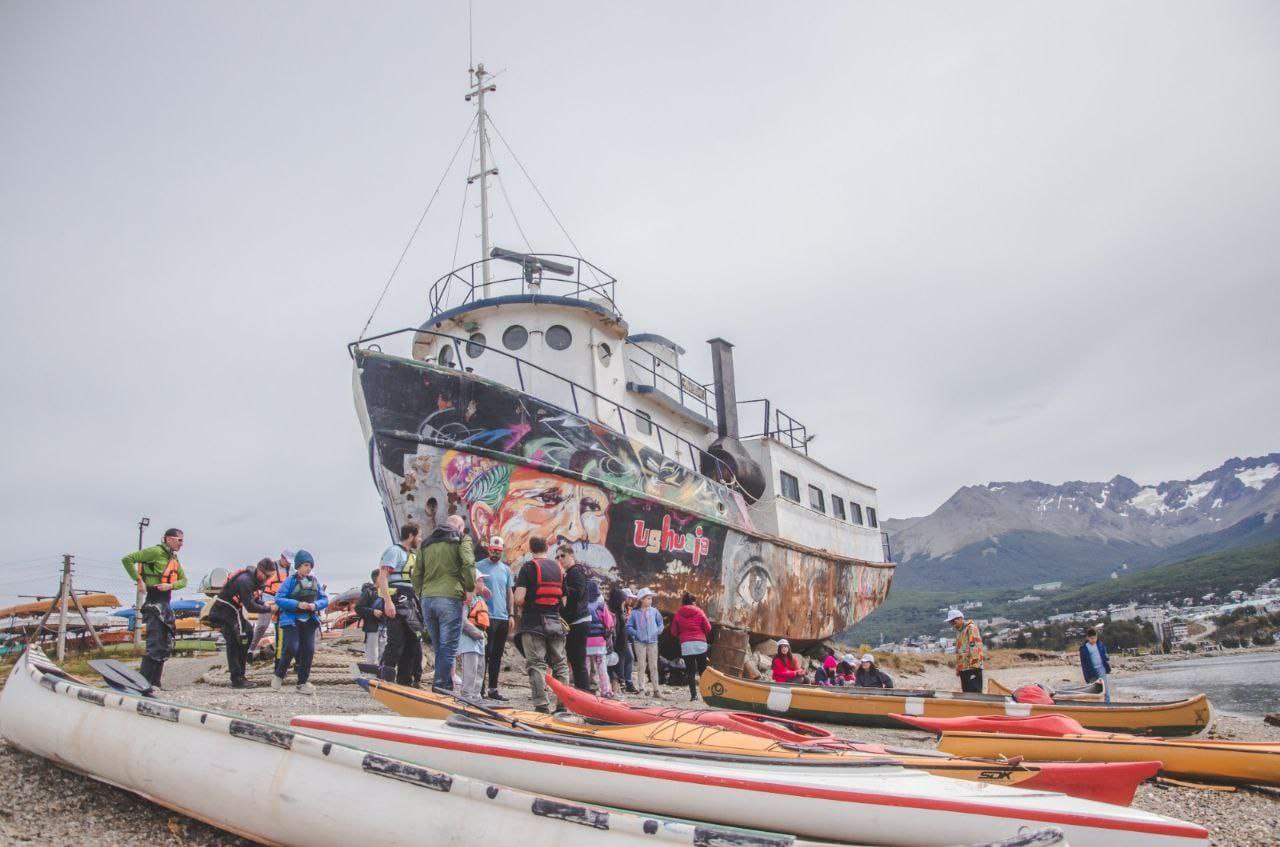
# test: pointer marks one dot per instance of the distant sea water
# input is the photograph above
(1241, 684)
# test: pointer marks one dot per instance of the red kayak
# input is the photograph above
(1051, 726)
(1111, 782)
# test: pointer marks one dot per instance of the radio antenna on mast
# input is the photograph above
(478, 89)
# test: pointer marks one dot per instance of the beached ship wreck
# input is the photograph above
(525, 402)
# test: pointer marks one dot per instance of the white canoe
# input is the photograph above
(882, 804)
(274, 786)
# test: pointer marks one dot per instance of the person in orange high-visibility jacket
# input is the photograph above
(158, 573)
(269, 588)
(969, 653)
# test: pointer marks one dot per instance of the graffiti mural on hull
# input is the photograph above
(443, 441)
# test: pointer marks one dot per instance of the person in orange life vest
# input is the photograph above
(471, 641)
(539, 602)
(158, 574)
(786, 668)
(269, 589)
(238, 596)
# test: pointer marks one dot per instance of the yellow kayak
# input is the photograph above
(873, 706)
(1204, 761)
(1109, 784)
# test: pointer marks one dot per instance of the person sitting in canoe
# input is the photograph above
(826, 672)
(847, 670)
(869, 676)
(786, 668)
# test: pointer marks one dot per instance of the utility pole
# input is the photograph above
(478, 90)
(64, 593)
(141, 597)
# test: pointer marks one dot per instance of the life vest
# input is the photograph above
(234, 599)
(171, 571)
(273, 582)
(305, 590)
(548, 583)
(398, 579)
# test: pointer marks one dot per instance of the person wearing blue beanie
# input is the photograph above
(300, 599)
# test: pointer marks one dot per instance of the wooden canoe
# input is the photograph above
(89, 601)
(873, 707)
(1091, 692)
(1097, 782)
(275, 786)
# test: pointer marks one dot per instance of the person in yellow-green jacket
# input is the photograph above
(157, 571)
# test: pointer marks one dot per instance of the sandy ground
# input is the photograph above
(43, 804)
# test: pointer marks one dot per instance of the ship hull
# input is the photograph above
(443, 441)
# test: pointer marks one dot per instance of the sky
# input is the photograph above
(961, 242)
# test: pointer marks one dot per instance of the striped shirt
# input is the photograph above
(969, 654)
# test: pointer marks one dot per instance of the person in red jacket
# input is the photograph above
(691, 626)
(786, 667)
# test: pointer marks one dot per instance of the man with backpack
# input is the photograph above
(539, 602)
(444, 575)
(402, 657)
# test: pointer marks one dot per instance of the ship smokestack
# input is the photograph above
(726, 451)
(726, 390)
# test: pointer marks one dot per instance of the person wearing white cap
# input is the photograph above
(269, 589)
(969, 652)
(868, 675)
(498, 577)
(786, 668)
(644, 625)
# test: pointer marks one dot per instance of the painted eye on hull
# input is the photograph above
(754, 585)
(590, 504)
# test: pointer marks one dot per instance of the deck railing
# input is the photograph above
(466, 284)
(778, 424)
(685, 390)
(670, 444)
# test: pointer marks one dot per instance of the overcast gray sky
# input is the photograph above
(962, 242)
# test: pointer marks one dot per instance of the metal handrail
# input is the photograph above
(678, 391)
(724, 473)
(470, 277)
(778, 424)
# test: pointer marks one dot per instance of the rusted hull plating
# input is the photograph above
(442, 441)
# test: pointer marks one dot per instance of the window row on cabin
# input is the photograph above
(514, 337)
(818, 502)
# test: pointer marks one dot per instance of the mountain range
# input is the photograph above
(1014, 534)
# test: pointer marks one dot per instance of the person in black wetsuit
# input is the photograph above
(237, 598)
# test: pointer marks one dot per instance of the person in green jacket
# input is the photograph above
(444, 573)
(158, 573)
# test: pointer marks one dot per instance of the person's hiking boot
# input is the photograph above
(276, 682)
(494, 695)
(243, 683)
(306, 688)
(631, 689)
(546, 710)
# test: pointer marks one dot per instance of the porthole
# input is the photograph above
(445, 357)
(515, 337)
(476, 344)
(558, 337)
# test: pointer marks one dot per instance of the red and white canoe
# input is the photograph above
(879, 803)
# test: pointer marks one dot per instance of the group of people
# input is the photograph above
(284, 591)
(848, 670)
(434, 589)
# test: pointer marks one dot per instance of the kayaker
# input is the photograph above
(786, 668)
(577, 615)
(370, 613)
(158, 573)
(1094, 661)
(269, 589)
(471, 641)
(444, 575)
(868, 675)
(402, 657)
(599, 638)
(691, 626)
(240, 595)
(300, 599)
(500, 580)
(539, 601)
(826, 672)
(969, 653)
(643, 628)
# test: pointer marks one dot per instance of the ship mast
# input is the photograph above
(478, 90)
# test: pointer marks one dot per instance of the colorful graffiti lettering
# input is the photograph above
(668, 540)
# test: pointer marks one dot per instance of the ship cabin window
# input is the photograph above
(855, 513)
(837, 506)
(790, 487)
(445, 357)
(476, 345)
(871, 518)
(644, 423)
(515, 337)
(816, 500)
(558, 337)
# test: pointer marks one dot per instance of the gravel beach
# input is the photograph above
(46, 805)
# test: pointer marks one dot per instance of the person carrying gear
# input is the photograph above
(402, 657)
(158, 573)
(238, 597)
